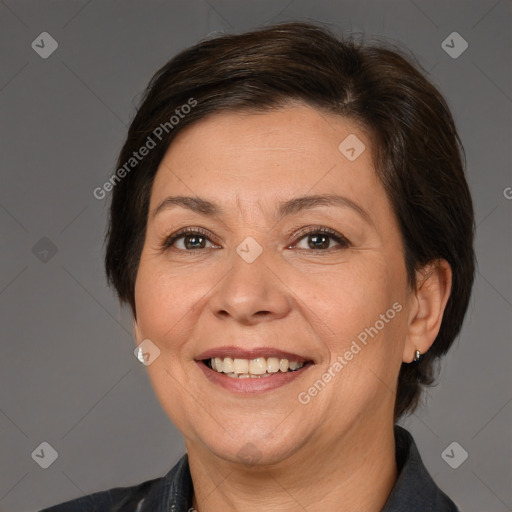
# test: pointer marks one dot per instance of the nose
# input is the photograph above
(251, 293)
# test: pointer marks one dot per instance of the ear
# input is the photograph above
(433, 287)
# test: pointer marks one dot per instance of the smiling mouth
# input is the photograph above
(257, 368)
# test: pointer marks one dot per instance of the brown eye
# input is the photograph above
(321, 239)
(193, 241)
(318, 241)
(188, 240)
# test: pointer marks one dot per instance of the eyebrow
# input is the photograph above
(286, 208)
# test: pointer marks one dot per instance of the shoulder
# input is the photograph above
(150, 496)
(414, 490)
(126, 499)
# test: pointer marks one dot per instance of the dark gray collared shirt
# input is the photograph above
(414, 490)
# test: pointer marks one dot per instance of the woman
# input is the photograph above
(292, 228)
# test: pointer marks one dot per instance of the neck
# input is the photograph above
(355, 473)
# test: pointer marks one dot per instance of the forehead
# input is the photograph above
(287, 152)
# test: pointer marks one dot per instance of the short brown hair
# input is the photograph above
(416, 149)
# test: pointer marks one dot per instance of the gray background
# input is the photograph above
(67, 370)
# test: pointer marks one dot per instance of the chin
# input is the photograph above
(251, 447)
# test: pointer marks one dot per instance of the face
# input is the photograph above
(285, 253)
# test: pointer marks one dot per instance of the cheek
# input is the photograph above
(367, 319)
(165, 311)
(163, 300)
(363, 305)
(352, 297)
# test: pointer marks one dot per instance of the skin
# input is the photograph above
(315, 456)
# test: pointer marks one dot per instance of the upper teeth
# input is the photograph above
(259, 366)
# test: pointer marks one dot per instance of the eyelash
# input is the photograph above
(168, 241)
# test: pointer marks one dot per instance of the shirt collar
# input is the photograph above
(414, 489)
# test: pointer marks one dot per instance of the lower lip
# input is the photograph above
(251, 385)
